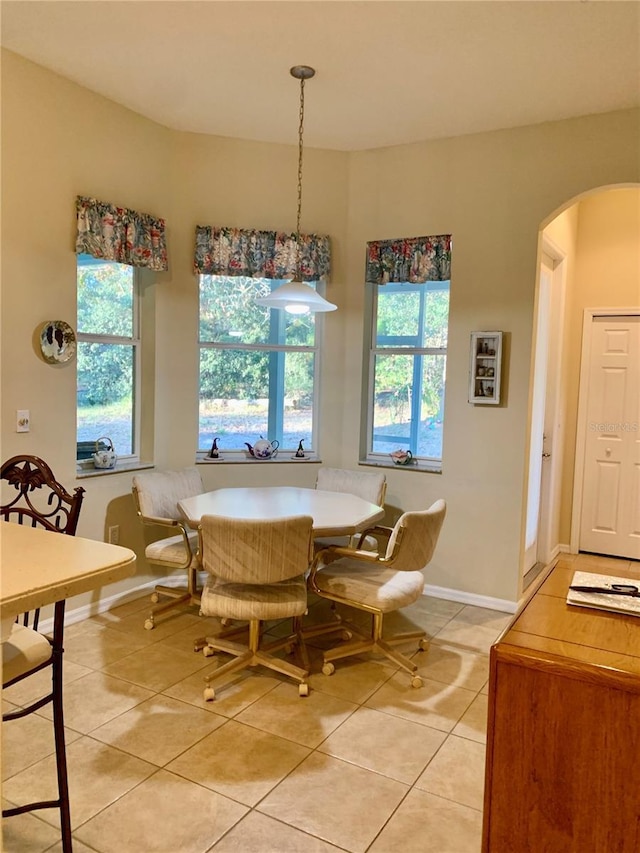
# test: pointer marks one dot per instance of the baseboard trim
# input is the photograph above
(471, 598)
(79, 614)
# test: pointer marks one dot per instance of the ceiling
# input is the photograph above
(389, 72)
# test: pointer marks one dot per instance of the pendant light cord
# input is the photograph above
(299, 213)
(301, 73)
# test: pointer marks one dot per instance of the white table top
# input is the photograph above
(40, 567)
(333, 513)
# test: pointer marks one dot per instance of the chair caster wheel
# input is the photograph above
(208, 652)
(328, 669)
(209, 694)
(155, 598)
(226, 622)
(149, 625)
(416, 681)
(423, 645)
(303, 690)
(347, 635)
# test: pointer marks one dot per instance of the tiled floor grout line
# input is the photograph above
(255, 808)
(443, 644)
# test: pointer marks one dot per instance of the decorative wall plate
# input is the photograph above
(57, 341)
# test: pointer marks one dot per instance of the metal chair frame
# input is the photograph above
(28, 473)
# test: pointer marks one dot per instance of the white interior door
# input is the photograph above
(610, 512)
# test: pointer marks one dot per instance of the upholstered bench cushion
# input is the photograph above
(383, 589)
(23, 651)
(248, 601)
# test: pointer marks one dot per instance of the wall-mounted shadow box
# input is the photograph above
(485, 367)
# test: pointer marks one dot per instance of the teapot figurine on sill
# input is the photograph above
(105, 456)
(263, 449)
(401, 457)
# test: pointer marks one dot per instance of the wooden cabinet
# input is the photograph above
(485, 367)
(563, 735)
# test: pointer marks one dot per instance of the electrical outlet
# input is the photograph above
(23, 422)
(114, 534)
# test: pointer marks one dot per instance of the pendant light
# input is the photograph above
(295, 296)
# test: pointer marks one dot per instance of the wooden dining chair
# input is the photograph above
(40, 501)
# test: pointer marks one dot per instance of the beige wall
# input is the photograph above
(491, 191)
(58, 141)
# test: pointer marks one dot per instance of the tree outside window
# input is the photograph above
(108, 352)
(258, 367)
(407, 369)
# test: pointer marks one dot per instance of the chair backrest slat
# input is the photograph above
(256, 551)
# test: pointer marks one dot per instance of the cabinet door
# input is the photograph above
(562, 761)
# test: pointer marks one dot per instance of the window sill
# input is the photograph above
(85, 469)
(241, 458)
(416, 465)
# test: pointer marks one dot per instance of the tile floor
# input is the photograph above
(365, 763)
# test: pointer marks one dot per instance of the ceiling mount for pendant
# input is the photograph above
(295, 296)
(302, 72)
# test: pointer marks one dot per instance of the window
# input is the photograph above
(258, 367)
(407, 370)
(108, 355)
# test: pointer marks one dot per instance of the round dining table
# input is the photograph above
(333, 513)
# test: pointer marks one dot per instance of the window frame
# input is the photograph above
(373, 350)
(135, 342)
(275, 414)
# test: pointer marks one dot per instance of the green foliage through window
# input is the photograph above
(407, 372)
(107, 352)
(257, 367)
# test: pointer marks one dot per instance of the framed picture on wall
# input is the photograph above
(485, 368)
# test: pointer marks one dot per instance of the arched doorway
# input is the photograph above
(594, 243)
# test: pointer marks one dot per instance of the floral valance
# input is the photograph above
(415, 259)
(119, 234)
(261, 254)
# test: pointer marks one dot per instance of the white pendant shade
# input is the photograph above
(296, 297)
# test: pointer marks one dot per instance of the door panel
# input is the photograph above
(610, 522)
